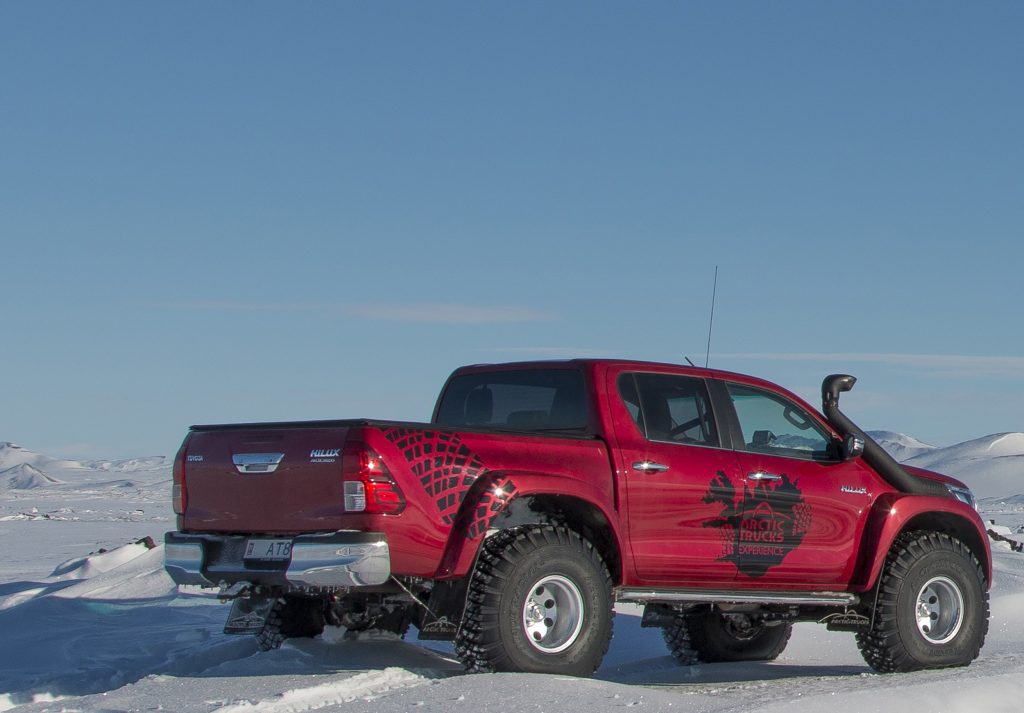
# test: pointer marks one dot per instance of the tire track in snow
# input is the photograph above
(360, 685)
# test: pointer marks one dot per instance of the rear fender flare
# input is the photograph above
(894, 516)
(511, 499)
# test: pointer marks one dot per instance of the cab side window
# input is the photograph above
(670, 408)
(775, 426)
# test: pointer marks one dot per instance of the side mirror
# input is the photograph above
(853, 446)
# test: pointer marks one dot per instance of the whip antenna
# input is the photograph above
(711, 322)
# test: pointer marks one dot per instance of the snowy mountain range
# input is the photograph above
(993, 466)
(23, 469)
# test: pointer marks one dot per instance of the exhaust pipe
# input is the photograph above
(874, 454)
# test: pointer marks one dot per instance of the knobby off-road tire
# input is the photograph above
(931, 609)
(540, 602)
(709, 637)
(289, 618)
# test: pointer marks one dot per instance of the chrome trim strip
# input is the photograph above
(643, 596)
(257, 462)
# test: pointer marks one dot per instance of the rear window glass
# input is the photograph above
(528, 400)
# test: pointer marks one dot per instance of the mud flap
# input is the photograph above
(439, 620)
(846, 621)
(438, 630)
(248, 615)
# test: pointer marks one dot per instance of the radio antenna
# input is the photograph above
(711, 322)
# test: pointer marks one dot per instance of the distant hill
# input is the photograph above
(23, 469)
(993, 466)
(25, 477)
(899, 445)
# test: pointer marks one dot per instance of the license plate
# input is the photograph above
(268, 549)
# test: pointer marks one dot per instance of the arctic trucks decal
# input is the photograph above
(760, 526)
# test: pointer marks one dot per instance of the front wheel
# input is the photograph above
(931, 609)
(539, 602)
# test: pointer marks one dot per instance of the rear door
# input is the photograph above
(801, 510)
(671, 458)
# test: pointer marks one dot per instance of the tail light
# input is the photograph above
(369, 487)
(179, 494)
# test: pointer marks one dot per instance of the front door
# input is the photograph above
(800, 510)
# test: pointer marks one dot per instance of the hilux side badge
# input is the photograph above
(852, 490)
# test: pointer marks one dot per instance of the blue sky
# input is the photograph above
(251, 211)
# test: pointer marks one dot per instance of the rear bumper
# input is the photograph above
(337, 559)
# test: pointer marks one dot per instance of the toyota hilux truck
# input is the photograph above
(542, 493)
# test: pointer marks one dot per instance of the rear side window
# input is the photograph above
(668, 407)
(528, 400)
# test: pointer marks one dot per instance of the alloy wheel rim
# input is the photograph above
(940, 610)
(553, 614)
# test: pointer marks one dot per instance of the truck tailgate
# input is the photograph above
(281, 480)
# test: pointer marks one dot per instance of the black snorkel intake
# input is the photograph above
(874, 454)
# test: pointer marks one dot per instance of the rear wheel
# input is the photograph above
(931, 609)
(291, 617)
(539, 601)
(711, 636)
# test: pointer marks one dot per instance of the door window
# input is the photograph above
(670, 408)
(776, 426)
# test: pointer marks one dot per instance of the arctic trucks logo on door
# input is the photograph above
(761, 525)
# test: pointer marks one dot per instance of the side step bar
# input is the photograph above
(686, 596)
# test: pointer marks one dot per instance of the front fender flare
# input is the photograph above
(894, 514)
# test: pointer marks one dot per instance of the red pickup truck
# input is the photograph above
(541, 493)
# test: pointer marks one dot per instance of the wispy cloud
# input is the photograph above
(444, 313)
(958, 364)
(551, 352)
(249, 306)
(411, 312)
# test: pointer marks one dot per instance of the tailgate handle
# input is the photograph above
(257, 462)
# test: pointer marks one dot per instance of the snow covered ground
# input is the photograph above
(89, 622)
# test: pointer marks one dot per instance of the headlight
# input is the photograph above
(964, 495)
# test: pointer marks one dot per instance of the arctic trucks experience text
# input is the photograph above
(543, 492)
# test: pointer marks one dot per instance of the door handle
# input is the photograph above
(761, 475)
(648, 466)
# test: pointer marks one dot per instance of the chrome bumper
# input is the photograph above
(336, 559)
